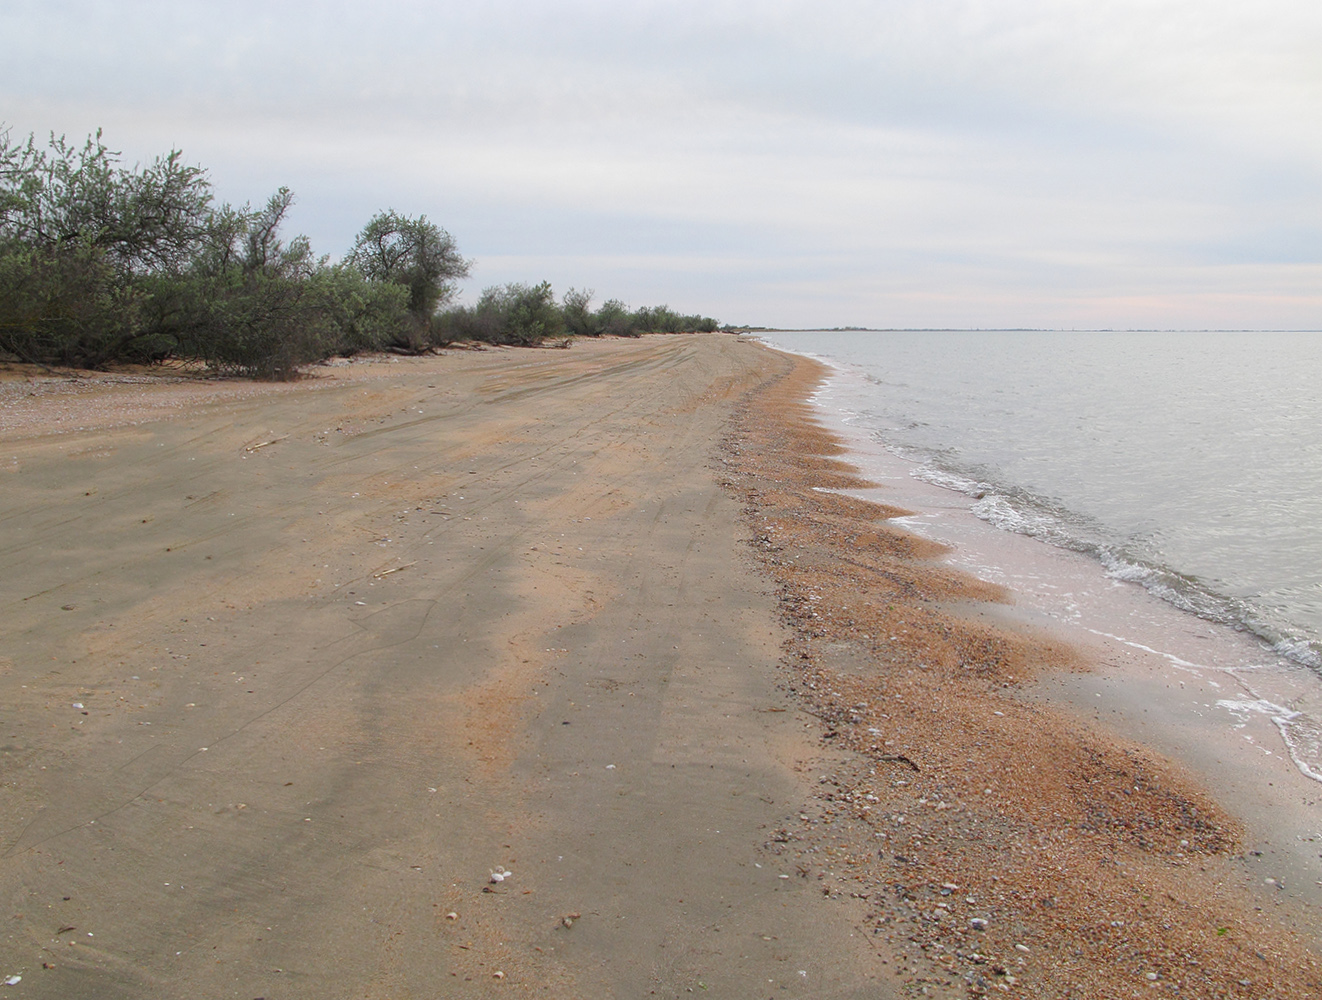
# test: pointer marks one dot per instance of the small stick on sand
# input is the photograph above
(263, 444)
(396, 569)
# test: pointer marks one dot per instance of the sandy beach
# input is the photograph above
(566, 673)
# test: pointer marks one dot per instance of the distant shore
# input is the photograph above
(560, 673)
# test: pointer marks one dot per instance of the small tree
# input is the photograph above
(615, 318)
(516, 314)
(80, 238)
(528, 313)
(254, 304)
(577, 308)
(412, 252)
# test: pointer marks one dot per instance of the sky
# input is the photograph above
(893, 163)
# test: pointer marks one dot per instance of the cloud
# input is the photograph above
(786, 162)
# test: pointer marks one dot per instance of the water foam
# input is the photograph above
(1019, 511)
(1301, 733)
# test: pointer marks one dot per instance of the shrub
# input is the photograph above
(413, 253)
(252, 304)
(100, 263)
(615, 318)
(78, 237)
(579, 319)
(62, 304)
(519, 314)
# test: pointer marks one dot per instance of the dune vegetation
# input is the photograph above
(103, 264)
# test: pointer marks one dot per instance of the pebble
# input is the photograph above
(978, 924)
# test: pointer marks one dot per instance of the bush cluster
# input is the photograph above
(526, 315)
(100, 263)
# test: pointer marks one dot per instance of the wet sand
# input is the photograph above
(1201, 693)
(289, 672)
(1021, 841)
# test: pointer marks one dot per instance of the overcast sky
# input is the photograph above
(1042, 163)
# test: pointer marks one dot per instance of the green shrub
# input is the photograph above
(414, 254)
(63, 304)
(614, 318)
(576, 309)
(100, 263)
(518, 314)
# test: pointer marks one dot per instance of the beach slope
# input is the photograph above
(566, 673)
(293, 676)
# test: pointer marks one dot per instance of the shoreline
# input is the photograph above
(1155, 547)
(1198, 691)
(1071, 801)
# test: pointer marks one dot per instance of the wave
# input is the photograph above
(1302, 734)
(1023, 512)
(1014, 509)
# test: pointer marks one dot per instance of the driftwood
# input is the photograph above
(394, 569)
(263, 444)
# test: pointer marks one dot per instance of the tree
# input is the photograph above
(144, 220)
(255, 304)
(577, 308)
(79, 238)
(411, 252)
(101, 263)
(517, 314)
(615, 318)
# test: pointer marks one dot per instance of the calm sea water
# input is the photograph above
(1189, 463)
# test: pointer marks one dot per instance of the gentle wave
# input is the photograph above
(1301, 733)
(1017, 510)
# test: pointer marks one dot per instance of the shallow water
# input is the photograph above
(1187, 464)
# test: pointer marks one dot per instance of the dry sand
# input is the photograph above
(289, 672)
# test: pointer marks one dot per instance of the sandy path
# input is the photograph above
(287, 674)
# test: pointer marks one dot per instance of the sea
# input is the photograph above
(1184, 465)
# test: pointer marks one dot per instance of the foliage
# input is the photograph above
(143, 220)
(101, 263)
(62, 305)
(414, 253)
(78, 235)
(528, 314)
(241, 304)
(253, 304)
(577, 308)
(367, 315)
(523, 315)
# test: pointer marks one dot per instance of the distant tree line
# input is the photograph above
(529, 314)
(101, 264)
